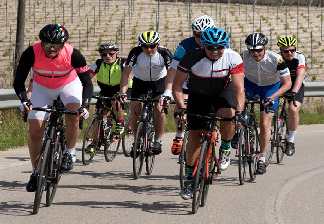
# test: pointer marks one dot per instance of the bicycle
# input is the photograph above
(248, 142)
(49, 164)
(279, 130)
(208, 164)
(100, 132)
(144, 136)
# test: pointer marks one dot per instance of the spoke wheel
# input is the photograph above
(90, 143)
(42, 174)
(54, 174)
(138, 151)
(182, 160)
(111, 145)
(149, 157)
(242, 157)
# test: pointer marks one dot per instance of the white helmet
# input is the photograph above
(201, 23)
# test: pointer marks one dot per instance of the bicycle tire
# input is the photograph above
(54, 173)
(138, 151)
(199, 179)
(242, 157)
(149, 157)
(251, 136)
(87, 156)
(280, 139)
(270, 153)
(209, 180)
(182, 160)
(127, 139)
(111, 146)
(42, 173)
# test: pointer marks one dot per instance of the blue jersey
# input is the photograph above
(184, 47)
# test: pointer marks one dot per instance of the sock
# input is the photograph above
(291, 136)
(179, 134)
(262, 157)
(225, 145)
(188, 172)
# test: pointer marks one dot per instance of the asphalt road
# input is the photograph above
(106, 192)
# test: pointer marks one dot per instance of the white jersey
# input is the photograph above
(266, 72)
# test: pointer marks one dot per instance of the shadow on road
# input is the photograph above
(11, 186)
(161, 207)
(23, 159)
(110, 175)
(15, 208)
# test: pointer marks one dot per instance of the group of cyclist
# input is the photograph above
(204, 70)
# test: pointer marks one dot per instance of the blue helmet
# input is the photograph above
(214, 36)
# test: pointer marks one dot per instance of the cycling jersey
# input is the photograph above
(184, 47)
(296, 63)
(266, 72)
(109, 74)
(28, 59)
(208, 77)
(149, 67)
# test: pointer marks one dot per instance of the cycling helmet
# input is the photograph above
(201, 23)
(108, 46)
(256, 41)
(149, 37)
(54, 34)
(287, 41)
(215, 36)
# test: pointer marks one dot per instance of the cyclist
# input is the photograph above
(109, 71)
(296, 63)
(210, 70)
(149, 63)
(198, 25)
(266, 76)
(56, 66)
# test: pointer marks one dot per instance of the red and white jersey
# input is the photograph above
(210, 77)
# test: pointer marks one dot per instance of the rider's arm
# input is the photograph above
(300, 73)
(85, 73)
(25, 63)
(284, 79)
(128, 69)
(237, 75)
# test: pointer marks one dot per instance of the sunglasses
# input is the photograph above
(214, 48)
(151, 46)
(256, 50)
(49, 46)
(288, 50)
(111, 54)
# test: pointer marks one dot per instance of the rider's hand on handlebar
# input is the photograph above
(267, 104)
(122, 97)
(179, 113)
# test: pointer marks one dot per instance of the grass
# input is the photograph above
(13, 131)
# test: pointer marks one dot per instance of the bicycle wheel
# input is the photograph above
(54, 173)
(111, 145)
(209, 175)
(199, 179)
(149, 157)
(42, 174)
(182, 160)
(242, 159)
(138, 151)
(253, 142)
(274, 130)
(280, 139)
(127, 140)
(90, 143)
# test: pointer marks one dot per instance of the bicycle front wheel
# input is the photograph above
(199, 179)
(149, 157)
(54, 173)
(281, 139)
(42, 174)
(242, 159)
(138, 151)
(90, 143)
(111, 145)
(182, 160)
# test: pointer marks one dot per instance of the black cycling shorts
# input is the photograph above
(299, 95)
(202, 104)
(107, 91)
(140, 87)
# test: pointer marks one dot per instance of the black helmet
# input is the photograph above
(108, 46)
(256, 41)
(54, 34)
